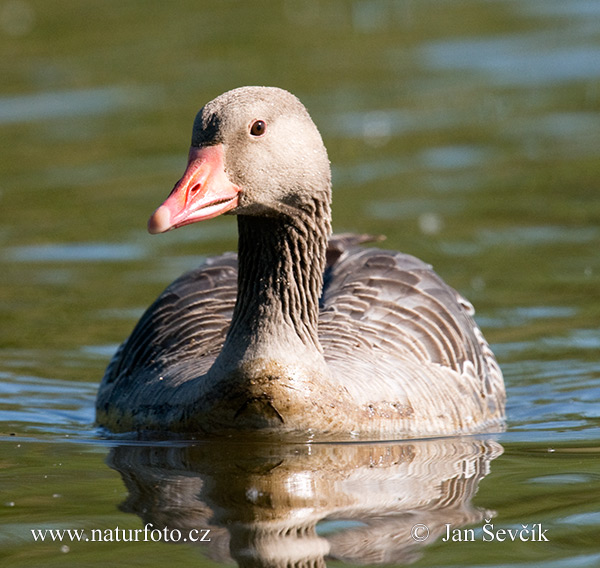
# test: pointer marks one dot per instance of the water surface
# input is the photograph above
(466, 132)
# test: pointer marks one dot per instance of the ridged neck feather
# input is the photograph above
(281, 263)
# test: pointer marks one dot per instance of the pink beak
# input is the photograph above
(203, 192)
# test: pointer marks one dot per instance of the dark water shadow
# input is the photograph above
(275, 505)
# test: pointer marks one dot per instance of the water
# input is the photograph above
(467, 132)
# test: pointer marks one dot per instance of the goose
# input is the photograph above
(300, 332)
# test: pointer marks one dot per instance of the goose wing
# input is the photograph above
(390, 314)
(188, 321)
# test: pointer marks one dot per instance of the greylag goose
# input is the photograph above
(300, 332)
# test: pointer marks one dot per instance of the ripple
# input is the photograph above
(76, 252)
(59, 104)
(563, 479)
(573, 8)
(516, 60)
(579, 519)
(454, 157)
(524, 315)
(50, 405)
(538, 235)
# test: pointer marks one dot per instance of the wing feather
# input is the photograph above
(189, 320)
(384, 315)
(404, 314)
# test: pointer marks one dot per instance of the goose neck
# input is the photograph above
(280, 279)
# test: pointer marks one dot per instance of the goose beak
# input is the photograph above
(203, 192)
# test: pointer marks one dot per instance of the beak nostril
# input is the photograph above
(195, 189)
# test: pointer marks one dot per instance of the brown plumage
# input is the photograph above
(300, 332)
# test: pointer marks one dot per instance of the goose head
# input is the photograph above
(255, 151)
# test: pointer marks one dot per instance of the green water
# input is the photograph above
(467, 132)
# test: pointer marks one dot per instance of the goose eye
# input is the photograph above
(258, 128)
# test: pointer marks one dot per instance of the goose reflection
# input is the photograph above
(271, 504)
